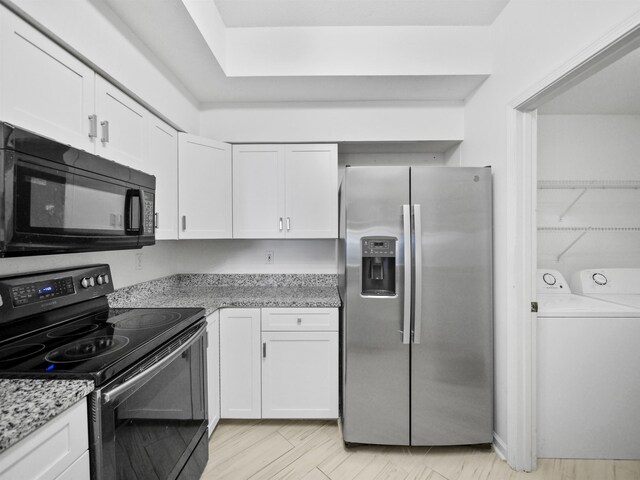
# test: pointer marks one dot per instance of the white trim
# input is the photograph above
(499, 446)
(521, 233)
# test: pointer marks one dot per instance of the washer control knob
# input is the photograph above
(599, 278)
(549, 279)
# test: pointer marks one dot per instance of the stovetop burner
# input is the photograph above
(141, 321)
(73, 330)
(16, 352)
(86, 349)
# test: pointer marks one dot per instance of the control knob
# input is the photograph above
(87, 282)
(103, 279)
(599, 278)
(549, 279)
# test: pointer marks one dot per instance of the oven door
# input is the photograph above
(57, 208)
(150, 423)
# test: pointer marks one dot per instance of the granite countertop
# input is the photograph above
(26, 405)
(230, 290)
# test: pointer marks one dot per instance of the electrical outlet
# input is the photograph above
(268, 256)
(138, 263)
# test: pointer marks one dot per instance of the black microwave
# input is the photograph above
(58, 199)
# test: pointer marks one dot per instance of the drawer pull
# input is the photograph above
(264, 350)
(299, 321)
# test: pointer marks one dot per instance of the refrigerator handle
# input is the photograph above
(406, 328)
(417, 301)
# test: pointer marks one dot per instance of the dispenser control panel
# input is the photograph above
(378, 247)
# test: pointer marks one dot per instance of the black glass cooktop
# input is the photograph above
(96, 346)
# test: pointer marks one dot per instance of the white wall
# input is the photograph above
(531, 38)
(157, 261)
(248, 256)
(93, 31)
(333, 122)
(589, 147)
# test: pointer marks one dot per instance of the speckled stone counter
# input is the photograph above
(26, 405)
(216, 291)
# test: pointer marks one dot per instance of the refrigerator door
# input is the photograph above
(452, 350)
(375, 389)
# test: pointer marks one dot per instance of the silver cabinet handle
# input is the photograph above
(280, 224)
(105, 131)
(93, 126)
(184, 222)
(288, 223)
(417, 302)
(406, 328)
(264, 350)
(156, 216)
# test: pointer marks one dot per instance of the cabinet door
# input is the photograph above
(162, 161)
(213, 369)
(204, 187)
(311, 191)
(240, 363)
(258, 191)
(51, 449)
(300, 375)
(122, 126)
(43, 88)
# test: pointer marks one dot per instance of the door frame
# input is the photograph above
(521, 230)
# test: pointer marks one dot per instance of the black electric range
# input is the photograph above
(148, 365)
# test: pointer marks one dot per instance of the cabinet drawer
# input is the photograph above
(300, 319)
(47, 452)
(79, 470)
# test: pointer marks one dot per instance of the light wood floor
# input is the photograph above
(313, 450)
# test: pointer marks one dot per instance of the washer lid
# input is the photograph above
(570, 305)
(626, 300)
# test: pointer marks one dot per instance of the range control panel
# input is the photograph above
(35, 292)
(30, 294)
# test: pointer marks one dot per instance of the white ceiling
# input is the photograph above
(323, 13)
(613, 90)
(170, 33)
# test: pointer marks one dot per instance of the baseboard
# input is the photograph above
(499, 446)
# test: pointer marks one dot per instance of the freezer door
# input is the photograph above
(452, 350)
(375, 389)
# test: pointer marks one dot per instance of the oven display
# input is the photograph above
(37, 292)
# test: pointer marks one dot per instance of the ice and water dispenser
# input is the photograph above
(378, 266)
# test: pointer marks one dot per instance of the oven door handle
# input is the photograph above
(149, 372)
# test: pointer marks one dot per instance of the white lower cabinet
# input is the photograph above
(279, 363)
(57, 450)
(240, 363)
(300, 375)
(213, 369)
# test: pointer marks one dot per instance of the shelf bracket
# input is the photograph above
(566, 210)
(572, 244)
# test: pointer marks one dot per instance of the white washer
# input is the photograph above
(588, 374)
(617, 285)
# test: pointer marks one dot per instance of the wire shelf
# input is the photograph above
(587, 184)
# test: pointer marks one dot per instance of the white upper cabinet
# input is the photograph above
(258, 191)
(162, 161)
(204, 187)
(285, 191)
(122, 126)
(43, 88)
(311, 185)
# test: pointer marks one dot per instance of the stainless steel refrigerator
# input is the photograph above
(415, 278)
